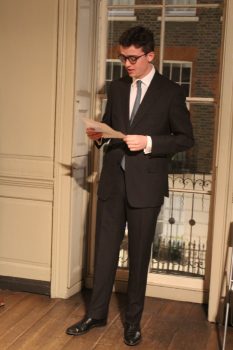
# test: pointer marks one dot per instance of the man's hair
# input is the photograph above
(139, 37)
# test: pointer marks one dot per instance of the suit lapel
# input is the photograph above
(125, 98)
(151, 95)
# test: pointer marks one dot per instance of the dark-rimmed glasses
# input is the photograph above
(131, 59)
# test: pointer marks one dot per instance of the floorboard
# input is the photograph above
(31, 321)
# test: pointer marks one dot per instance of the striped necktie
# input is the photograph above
(134, 111)
(137, 100)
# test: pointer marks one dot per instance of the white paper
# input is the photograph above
(106, 130)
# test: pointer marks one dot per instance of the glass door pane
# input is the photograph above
(188, 44)
(191, 58)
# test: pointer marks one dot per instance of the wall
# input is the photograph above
(28, 46)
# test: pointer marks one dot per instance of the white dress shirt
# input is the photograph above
(133, 92)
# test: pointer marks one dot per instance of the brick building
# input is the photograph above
(191, 55)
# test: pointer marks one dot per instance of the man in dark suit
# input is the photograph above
(151, 111)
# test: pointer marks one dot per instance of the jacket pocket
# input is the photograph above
(157, 165)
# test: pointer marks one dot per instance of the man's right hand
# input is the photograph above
(93, 135)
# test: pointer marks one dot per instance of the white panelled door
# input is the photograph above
(83, 102)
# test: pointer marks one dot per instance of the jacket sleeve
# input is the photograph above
(180, 137)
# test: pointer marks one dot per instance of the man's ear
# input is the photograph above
(150, 56)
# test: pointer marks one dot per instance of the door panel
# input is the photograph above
(79, 199)
(83, 105)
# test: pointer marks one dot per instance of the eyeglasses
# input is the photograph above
(131, 59)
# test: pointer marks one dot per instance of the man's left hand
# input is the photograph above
(135, 142)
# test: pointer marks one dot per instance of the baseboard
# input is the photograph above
(25, 285)
(161, 291)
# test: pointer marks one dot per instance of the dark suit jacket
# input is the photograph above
(163, 115)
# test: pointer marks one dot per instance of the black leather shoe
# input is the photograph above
(85, 325)
(132, 334)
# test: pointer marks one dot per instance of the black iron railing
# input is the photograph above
(180, 242)
(177, 257)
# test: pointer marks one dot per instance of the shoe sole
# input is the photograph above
(136, 343)
(84, 332)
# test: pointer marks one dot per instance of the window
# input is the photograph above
(179, 72)
(114, 70)
(121, 12)
(181, 11)
(192, 58)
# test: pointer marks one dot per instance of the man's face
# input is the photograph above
(142, 66)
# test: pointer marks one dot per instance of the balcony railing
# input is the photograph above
(180, 241)
(178, 257)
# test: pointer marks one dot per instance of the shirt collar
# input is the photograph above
(147, 79)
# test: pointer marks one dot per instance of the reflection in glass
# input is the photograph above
(177, 11)
(108, 71)
(176, 73)
(116, 71)
(166, 70)
(185, 74)
(191, 44)
(115, 12)
(185, 87)
(197, 42)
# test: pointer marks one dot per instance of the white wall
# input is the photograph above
(28, 67)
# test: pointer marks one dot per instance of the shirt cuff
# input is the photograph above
(148, 147)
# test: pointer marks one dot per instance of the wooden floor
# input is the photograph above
(31, 322)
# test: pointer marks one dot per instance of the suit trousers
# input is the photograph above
(112, 215)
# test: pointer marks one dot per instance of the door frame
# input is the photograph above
(65, 110)
(223, 187)
(222, 207)
(63, 147)
(178, 287)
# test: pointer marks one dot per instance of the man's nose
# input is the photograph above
(127, 63)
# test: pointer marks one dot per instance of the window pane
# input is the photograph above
(186, 89)
(116, 71)
(200, 157)
(109, 71)
(177, 68)
(166, 70)
(121, 2)
(119, 11)
(124, 71)
(181, 11)
(115, 28)
(185, 75)
(197, 42)
(107, 85)
(191, 58)
(176, 72)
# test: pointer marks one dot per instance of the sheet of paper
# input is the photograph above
(106, 130)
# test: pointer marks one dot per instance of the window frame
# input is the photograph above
(181, 63)
(181, 11)
(115, 12)
(117, 62)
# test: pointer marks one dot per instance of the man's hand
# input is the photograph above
(93, 135)
(135, 142)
